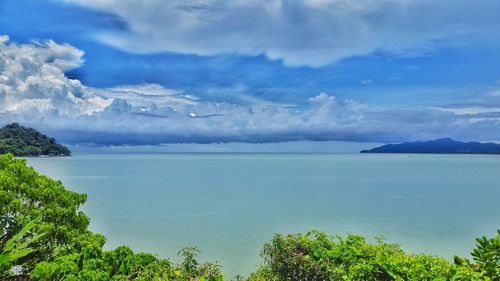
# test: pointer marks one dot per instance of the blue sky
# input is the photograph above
(252, 71)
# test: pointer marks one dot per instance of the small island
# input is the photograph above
(22, 141)
(438, 146)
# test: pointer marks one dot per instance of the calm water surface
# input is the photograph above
(228, 205)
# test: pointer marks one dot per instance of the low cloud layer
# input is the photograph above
(301, 32)
(34, 91)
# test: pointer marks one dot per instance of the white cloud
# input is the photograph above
(301, 32)
(469, 110)
(32, 80)
(34, 91)
(145, 89)
(4, 39)
(366, 81)
(62, 56)
(494, 92)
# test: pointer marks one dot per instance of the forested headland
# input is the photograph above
(23, 141)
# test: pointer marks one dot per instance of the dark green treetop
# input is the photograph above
(22, 141)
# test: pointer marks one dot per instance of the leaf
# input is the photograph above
(11, 243)
(19, 254)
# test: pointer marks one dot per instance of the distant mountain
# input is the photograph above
(22, 141)
(445, 145)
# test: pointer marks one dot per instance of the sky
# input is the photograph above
(125, 72)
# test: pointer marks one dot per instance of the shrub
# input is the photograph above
(123, 264)
(316, 256)
(487, 255)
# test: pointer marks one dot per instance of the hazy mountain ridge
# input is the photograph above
(441, 146)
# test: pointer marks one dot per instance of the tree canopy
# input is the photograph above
(22, 141)
(26, 195)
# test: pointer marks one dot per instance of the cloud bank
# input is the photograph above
(34, 91)
(300, 32)
(32, 81)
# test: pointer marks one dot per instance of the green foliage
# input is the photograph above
(15, 249)
(25, 195)
(487, 255)
(69, 251)
(191, 268)
(93, 264)
(22, 141)
(316, 256)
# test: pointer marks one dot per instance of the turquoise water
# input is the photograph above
(228, 205)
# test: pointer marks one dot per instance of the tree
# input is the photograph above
(22, 141)
(25, 195)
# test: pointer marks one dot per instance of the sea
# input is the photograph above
(228, 205)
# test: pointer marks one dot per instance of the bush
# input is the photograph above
(122, 264)
(487, 255)
(316, 256)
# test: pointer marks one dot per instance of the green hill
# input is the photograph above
(22, 141)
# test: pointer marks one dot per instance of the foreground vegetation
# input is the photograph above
(316, 256)
(44, 236)
(22, 141)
